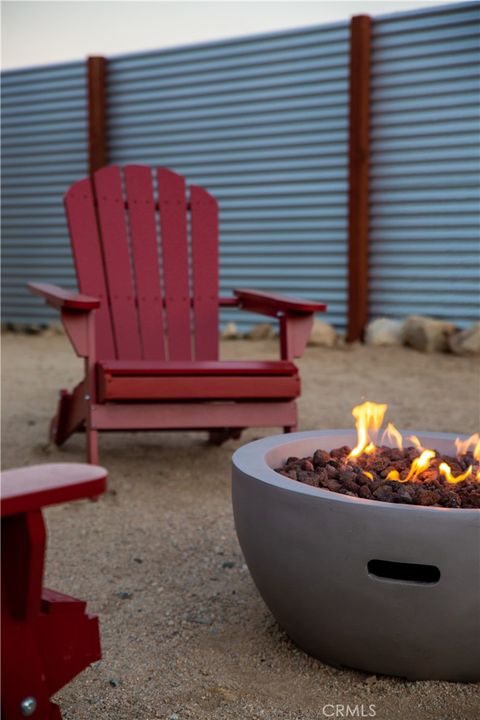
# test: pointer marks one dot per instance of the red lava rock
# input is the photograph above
(332, 484)
(308, 477)
(426, 497)
(320, 457)
(340, 452)
(383, 493)
(336, 472)
(332, 471)
(403, 495)
(450, 500)
(292, 474)
(365, 492)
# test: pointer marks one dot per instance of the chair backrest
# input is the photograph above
(150, 253)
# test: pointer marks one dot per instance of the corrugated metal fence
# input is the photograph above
(44, 149)
(262, 122)
(424, 213)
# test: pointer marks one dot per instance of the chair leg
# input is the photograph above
(70, 416)
(220, 435)
(58, 425)
(92, 446)
(55, 713)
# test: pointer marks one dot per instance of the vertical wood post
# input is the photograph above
(97, 130)
(360, 33)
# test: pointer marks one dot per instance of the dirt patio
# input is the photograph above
(184, 631)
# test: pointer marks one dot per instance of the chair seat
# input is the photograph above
(197, 380)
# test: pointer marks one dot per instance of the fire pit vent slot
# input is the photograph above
(405, 572)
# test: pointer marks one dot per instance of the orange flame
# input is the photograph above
(393, 435)
(464, 445)
(416, 442)
(446, 471)
(418, 466)
(368, 420)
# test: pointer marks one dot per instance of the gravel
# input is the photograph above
(184, 631)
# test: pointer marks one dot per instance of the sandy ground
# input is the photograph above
(184, 631)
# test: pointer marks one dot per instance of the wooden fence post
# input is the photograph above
(97, 130)
(360, 33)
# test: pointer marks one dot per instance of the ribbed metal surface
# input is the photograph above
(424, 221)
(262, 123)
(44, 149)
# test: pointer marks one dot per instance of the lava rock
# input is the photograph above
(383, 493)
(308, 477)
(332, 484)
(332, 471)
(423, 496)
(365, 492)
(292, 474)
(320, 457)
(365, 477)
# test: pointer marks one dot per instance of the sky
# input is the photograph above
(43, 32)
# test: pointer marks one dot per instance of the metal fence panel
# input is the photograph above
(262, 123)
(44, 149)
(424, 212)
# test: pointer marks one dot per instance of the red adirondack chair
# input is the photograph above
(47, 637)
(146, 320)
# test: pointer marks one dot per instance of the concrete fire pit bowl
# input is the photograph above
(380, 587)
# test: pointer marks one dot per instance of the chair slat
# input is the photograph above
(205, 273)
(111, 215)
(173, 230)
(87, 256)
(141, 205)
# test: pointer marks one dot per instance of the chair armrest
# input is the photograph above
(31, 488)
(228, 301)
(295, 316)
(62, 299)
(275, 305)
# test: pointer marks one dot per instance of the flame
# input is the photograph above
(463, 446)
(418, 466)
(446, 471)
(416, 442)
(368, 420)
(393, 436)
